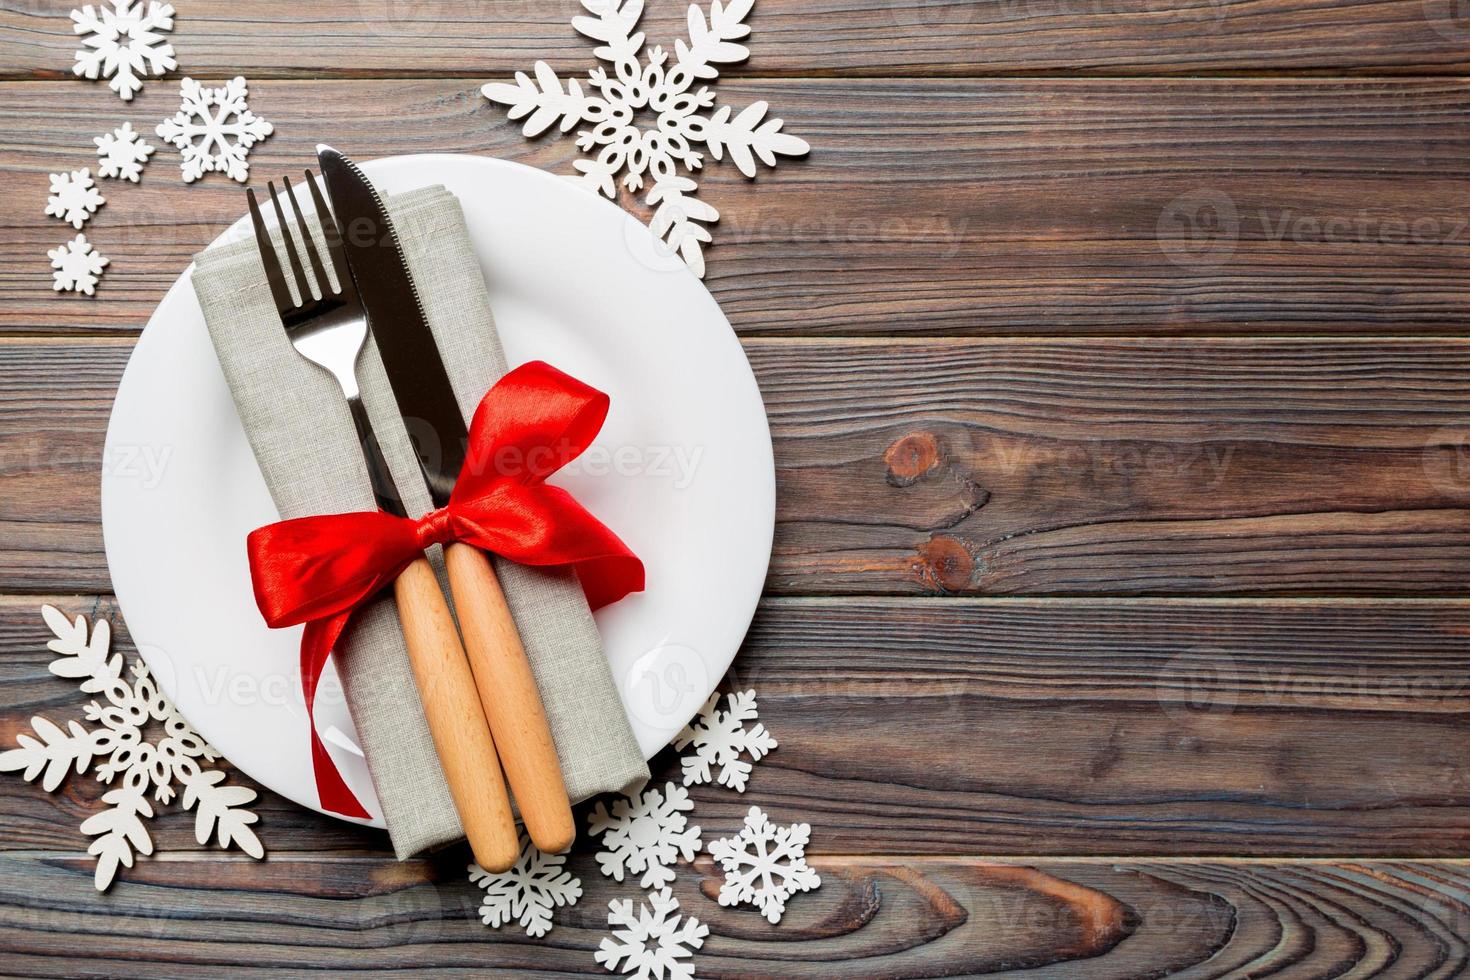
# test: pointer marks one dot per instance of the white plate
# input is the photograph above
(682, 471)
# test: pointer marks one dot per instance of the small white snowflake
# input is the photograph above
(74, 197)
(124, 42)
(122, 153)
(685, 115)
(719, 737)
(764, 864)
(653, 943)
(646, 834)
(214, 129)
(534, 885)
(117, 748)
(78, 266)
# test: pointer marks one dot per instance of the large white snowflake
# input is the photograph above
(122, 153)
(534, 885)
(652, 943)
(117, 748)
(683, 116)
(214, 129)
(123, 42)
(719, 737)
(78, 266)
(74, 197)
(764, 864)
(646, 834)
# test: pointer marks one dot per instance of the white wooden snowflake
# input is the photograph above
(214, 129)
(764, 864)
(653, 943)
(683, 116)
(646, 834)
(124, 43)
(122, 153)
(534, 885)
(78, 266)
(117, 748)
(74, 197)
(719, 737)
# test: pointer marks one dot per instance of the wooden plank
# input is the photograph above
(52, 431)
(1119, 467)
(1187, 467)
(1033, 206)
(871, 918)
(1114, 726)
(1098, 727)
(389, 37)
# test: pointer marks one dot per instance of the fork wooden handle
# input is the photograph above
(511, 700)
(456, 720)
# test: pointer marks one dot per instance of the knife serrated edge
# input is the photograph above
(387, 222)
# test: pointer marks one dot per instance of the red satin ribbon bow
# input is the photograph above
(318, 570)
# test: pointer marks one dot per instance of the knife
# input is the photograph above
(425, 397)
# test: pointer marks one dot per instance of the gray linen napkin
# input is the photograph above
(302, 434)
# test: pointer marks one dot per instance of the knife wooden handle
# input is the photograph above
(456, 720)
(511, 700)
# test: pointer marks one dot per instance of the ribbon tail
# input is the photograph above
(607, 579)
(317, 641)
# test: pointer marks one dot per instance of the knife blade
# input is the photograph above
(427, 403)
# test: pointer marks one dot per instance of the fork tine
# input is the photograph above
(308, 241)
(268, 257)
(303, 287)
(332, 234)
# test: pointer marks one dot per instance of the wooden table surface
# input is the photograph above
(1115, 358)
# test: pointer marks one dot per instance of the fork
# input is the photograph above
(329, 327)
